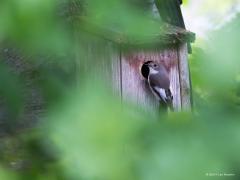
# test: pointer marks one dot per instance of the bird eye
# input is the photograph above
(154, 65)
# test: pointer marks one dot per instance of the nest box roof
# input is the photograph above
(171, 28)
(167, 34)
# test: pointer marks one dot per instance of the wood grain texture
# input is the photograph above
(135, 87)
(115, 61)
(175, 87)
(184, 77)
(99, 60)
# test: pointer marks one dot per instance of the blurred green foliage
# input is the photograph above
(84, 132)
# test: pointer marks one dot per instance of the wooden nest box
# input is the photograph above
(170, 47)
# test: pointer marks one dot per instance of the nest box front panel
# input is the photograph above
(135, 87)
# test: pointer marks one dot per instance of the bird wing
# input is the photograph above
(162, 94)
(160, 85)
(159, 80)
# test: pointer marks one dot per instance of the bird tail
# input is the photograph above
(169, 99)
(167, 103)
(165, 106)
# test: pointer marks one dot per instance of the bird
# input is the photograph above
(159, 84)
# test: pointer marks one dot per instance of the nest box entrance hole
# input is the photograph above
(145, 69)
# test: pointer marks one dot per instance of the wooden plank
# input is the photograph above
(99, 59)
(184, 77)
(135, 88)
(114, 56)
(175, 87)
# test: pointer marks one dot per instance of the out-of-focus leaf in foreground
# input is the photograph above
(216, 69)
(101, 135)
(6, 175)
(98, 138)
(9, 96)
(33, 25)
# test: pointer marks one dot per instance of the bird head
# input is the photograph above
(153, 66)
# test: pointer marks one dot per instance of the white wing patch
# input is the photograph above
(162, 93)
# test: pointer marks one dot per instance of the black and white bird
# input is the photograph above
(159, 84)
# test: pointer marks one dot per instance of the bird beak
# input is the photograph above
(148, 63)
